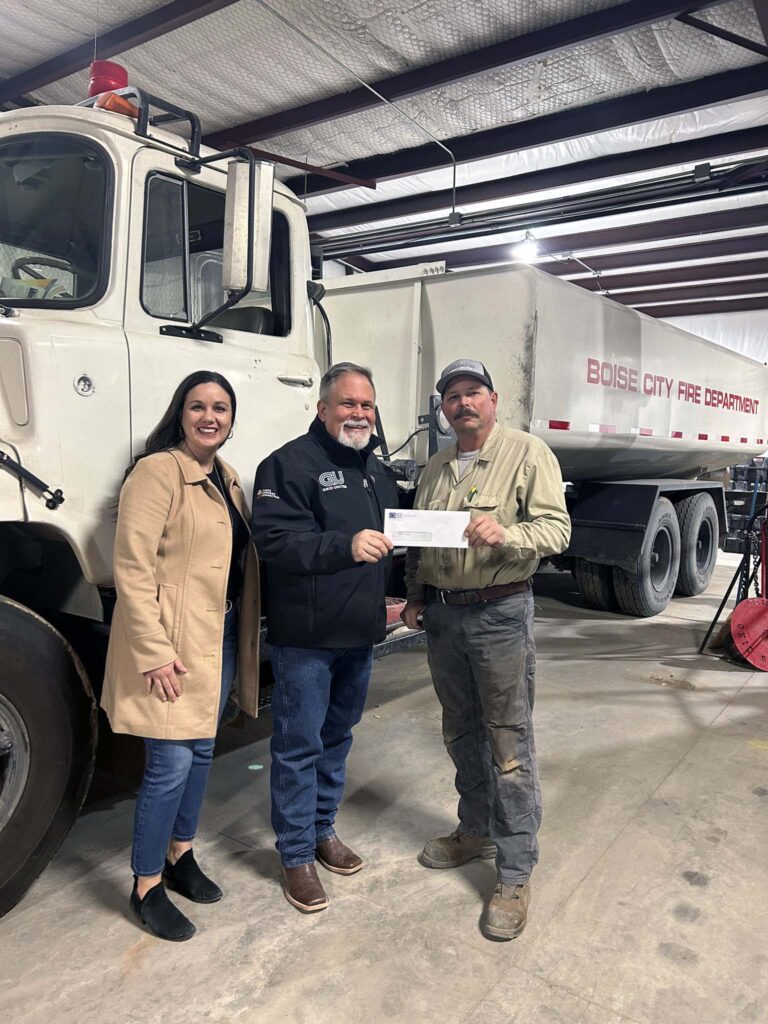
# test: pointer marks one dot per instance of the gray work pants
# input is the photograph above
(482, 658)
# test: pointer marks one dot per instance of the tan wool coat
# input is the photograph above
(172, 553)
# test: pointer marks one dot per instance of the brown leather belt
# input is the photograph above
(466, 597)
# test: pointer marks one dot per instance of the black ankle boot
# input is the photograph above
(159, 915)
(186, 878)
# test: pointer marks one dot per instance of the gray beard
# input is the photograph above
(356, 441)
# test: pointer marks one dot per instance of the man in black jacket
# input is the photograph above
(318, 508)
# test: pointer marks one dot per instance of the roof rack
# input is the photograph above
(170, 113)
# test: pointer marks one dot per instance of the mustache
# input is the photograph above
(463, 413)
(353, 422)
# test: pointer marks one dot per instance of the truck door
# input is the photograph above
(174, 278)
(63, 367)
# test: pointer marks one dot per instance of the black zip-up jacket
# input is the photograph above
(310, 498)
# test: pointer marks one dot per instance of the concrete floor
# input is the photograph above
(650, 902)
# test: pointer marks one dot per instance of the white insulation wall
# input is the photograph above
(746, 333)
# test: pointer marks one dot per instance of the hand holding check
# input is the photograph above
(485, 530)
(437, 529)
(370, 546)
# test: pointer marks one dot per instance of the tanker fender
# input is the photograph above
(609, 519)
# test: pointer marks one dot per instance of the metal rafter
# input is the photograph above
(723, 33)
(744, 305)
(559, 127)
(533, 219)
(536, 44)
(631, 261)
(133, 33)
(761, 9)
(710, 250)
(624, 237)
(359, 263)
(716, 273)
(692, 151)
(706, 292)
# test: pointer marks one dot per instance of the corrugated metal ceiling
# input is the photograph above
(236, 61)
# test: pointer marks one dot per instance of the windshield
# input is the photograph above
(53, 195)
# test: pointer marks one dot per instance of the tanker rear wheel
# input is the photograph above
(595, 583)
(47, 743)
(699, 536)
(647, 589)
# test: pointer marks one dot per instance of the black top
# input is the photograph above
(239, 539)
(310, 498)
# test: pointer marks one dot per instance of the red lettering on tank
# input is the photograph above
(620, 377)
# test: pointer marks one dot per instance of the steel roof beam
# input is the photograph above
(701, 308)
(359, 263)
(559, 127)
(623, 237)
(648, 230)
(761, 9)
(532, 45)
(694, 150)
(707, 292)
(133, 33)
(671, 276)
(743, 246)
(714, 249)
(641, 258)
(722, 33)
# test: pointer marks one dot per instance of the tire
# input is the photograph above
(648, 588)
(595, 583)
(699, 538)
(48, 732)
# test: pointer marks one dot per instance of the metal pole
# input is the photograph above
(731, 585)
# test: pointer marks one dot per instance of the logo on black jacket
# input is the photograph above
(333, 480)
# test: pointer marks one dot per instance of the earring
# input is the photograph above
(230, 434)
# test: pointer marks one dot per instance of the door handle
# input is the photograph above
(295, 382)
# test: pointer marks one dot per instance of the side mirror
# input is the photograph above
(247, 226)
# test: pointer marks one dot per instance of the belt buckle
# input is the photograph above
(441, 595)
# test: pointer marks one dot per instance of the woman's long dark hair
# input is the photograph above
(169, 433)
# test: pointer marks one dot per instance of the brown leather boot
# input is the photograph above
(506, 911)
(303, 888)
(335, 856)
(456, 849)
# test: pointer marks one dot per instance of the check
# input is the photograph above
(412, 528)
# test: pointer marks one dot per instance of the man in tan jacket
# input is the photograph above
(476, 606)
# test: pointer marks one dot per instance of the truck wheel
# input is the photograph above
(47, 743)
(648, 588)
(699, 536)
(595, 583)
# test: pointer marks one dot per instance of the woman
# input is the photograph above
(186, 575)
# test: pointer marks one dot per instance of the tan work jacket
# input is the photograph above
(172, 553)
(516, 480)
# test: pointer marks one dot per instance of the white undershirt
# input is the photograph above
(466, 459)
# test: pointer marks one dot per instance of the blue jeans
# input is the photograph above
(175, 776)
(483, 660)
(319, 696)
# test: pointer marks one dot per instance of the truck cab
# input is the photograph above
(118, 239)
(109, 248)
